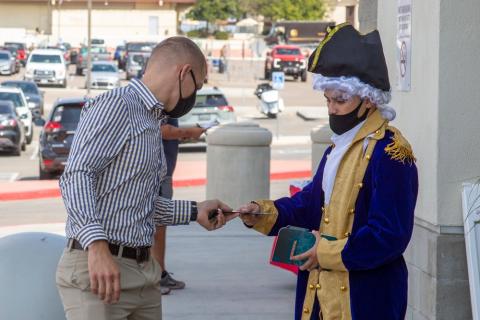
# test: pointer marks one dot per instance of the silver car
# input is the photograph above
(7, 63)
(211, 107)
(105, 75)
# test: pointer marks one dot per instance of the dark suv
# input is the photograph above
(57, 136)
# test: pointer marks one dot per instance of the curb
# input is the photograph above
(55, 192)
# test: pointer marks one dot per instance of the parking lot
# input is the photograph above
(238, 87)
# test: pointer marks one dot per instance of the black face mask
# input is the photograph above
(342, 123)
(184, 105)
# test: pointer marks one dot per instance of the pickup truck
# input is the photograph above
(98, 54)
(288, 59)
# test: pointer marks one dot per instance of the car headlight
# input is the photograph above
(276, 63)
(32, 105)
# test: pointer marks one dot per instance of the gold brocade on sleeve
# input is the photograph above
(266, 222)
(399, 149)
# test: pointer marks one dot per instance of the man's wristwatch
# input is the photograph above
(194, 211)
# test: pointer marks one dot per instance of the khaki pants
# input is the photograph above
(140, 298)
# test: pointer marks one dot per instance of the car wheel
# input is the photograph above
(24, 146)
(304, 75)
(272, 115)
(44, 175)
(78, 71)
(18, 150)
(64, 83)
(29, 138)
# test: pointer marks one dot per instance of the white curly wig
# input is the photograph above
(352, 86)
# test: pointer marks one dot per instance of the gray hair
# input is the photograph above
(348, 87)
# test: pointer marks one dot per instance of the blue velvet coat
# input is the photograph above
(382, 228)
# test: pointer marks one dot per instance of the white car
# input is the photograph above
(7, 63)
(104, 75)
(16, 96)
(46, 66)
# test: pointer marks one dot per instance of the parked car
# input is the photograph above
(104, 75)
(21, 51)
(7, 63)
(33, 95)
(16, 96)
(46, 66)
(98, 54)
(288, 59)
(119, 56)
(211, 106)
(136, 61)
(57, 136)
(12, 132)
(134, 47)
(13, 51)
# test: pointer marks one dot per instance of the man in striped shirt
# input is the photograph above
(110, 189)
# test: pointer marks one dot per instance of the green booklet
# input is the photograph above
(292, 241)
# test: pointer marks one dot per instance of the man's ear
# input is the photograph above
(184, 71)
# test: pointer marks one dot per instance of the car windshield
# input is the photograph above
(19, 46)
(138, 58)
(5, 109)
(103, 68)
(210, 100)
(15, 98)
(4, 56)
(46, 58)
(142, 47)
(27, 87)
(288, 52)
(68, 114)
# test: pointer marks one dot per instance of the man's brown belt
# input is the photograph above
(141, 254)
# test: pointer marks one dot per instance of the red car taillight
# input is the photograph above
(225, 108)
(52, 126)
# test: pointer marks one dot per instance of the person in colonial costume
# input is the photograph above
(360, 204)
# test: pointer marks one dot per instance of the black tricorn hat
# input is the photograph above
(346, 52)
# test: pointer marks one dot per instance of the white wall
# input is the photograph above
(113, 25)
(440, 115)
(417, 110)
(459, 103)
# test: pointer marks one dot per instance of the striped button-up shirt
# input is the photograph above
(112, 179)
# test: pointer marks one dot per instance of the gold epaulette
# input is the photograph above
(399, 149)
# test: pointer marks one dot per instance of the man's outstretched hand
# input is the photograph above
(205, 207)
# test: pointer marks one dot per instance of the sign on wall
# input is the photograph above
(404, 44)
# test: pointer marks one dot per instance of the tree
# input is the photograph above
(212, 10)
(274, 10)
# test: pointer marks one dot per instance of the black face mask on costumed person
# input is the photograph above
(184, 105)
(343, 123)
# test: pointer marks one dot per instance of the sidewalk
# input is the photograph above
(226, 271)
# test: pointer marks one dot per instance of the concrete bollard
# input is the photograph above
(320, 142)
(27, 276)
(238, 163)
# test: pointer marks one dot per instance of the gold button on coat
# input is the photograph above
(360, 185)
(311, 286)
(343, 288)
(306, 310)
(318, 286)
(326, 220)
(347, 234)
(351, 211)
(368, 157)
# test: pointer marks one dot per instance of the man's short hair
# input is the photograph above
(180, 50)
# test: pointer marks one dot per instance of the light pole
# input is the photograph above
(89, 46)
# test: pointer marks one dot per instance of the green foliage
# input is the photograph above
(212, 10)
(200, 33)
(274, 10)
(222, 35)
